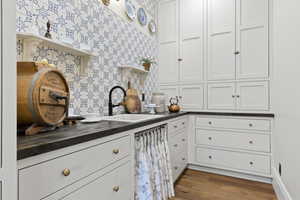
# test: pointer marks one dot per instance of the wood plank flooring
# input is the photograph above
(194, 185)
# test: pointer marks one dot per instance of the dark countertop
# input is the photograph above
(28, 146)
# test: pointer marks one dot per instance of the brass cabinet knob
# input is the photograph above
(237, 53)
(66, 172)
(116, 151)
(176, 168)
(183, 140)
(183, 159)
(210, 123)
(175, 126)
(210, 157)
(180, 59)
(175, 145)
(250, 142)
(116, 189)
(210, 138)
(250, 125)
(251, 163)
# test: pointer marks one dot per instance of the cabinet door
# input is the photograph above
(168, 41)
(192, 97)
(191, 40)
(169, 91)
(252, 39)
(221, 39)
(221, 96)
(253, 96)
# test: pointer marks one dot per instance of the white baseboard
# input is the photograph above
(231, 173)
(279, 187)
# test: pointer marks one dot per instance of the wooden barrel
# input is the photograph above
(42, 96)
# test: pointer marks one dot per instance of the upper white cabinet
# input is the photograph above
(221, 45)
(168, 40)
(221, 39)
(238, 39)
(252, 39)
(191, 40)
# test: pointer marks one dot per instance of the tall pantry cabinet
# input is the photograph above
(8, 160)
(215, 53)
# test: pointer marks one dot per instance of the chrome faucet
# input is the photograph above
(110, 104)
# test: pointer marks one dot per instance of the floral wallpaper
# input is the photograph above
(114, 41)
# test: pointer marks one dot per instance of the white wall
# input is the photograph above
(286, 96)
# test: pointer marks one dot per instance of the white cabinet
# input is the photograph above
(191, 41)
(252, 39)
(243, 96)
(219, 43)
(240, 145)
(221, 39)
(178, 145)
(221, 96)
(238, 39)
(192, 97)
(168, 41)
(253, 96)
(168, 70)
(77, 172)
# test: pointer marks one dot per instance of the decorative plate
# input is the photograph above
(130, 10)
(152, 26)
(142, 16)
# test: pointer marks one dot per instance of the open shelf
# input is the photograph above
(139, 69)
(31, 41)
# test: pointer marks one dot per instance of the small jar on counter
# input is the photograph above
(160, 100)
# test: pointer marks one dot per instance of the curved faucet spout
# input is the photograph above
(110, 104)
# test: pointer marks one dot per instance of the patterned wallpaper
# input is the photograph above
(114, 40)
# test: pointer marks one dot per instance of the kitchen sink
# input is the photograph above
(131, 117)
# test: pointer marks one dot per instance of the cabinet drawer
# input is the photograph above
(46, 178)
(233, 160)
(178, 144)
(114, 185)
(245, 124)
(177, 125)
(179, 164)
(238, 140)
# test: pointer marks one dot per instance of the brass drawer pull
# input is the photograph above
(66, 172)
(116, 151)
(116, 189)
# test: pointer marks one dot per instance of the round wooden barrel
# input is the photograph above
(42, 96)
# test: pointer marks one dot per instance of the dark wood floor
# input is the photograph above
(194, 185)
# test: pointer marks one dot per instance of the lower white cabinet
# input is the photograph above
(234, 144)
(178, 145)
(93, 171)
(242, 96)
(114, 185)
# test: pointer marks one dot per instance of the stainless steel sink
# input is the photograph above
(131, 117)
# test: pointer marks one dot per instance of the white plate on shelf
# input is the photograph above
(130, 10)
(142, 16)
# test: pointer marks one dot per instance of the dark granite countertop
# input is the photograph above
(29, 146)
